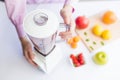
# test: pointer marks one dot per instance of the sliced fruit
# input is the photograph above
(77, 60)
(81, 59)
(77, 64)
(74, 60)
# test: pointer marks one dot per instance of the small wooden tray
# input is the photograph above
(93, 42)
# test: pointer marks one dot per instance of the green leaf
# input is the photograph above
(102, 43)
(85, 33)
(91, 48)
(87, 40)
(94, 42)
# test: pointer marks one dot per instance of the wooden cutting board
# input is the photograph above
(93, 42)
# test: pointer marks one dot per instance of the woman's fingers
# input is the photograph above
(29, 56)
(65, 35)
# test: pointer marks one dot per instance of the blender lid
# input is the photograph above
(40, 23)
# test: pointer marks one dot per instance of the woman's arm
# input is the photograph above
(16, 12)
(66, 13)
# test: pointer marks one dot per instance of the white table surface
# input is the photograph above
(13, 65)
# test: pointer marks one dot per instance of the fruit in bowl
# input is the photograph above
(106, 35)
(74, 60)
(100, 58)
(97, 30)
(81, 22)
(77, 60)
(109, 17)
(73, 42)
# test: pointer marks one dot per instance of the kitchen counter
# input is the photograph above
(13, 65)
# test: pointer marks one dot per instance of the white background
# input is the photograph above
(13, 65)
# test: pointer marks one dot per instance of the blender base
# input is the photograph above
(48, 63)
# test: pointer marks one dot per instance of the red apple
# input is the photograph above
(81, 22)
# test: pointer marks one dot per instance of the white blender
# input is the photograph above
(41, 27)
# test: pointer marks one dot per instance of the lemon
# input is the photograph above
(106, 34)
(97, 30)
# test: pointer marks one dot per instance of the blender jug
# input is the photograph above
(42, 27)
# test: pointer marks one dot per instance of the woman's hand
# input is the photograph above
(27, 50)
(66, 13)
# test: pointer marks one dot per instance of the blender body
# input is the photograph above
(41, 27)
(44, 45)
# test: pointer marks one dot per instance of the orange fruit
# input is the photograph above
(76, 39)
(109, 17)
(74, 45)
(70, 41)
